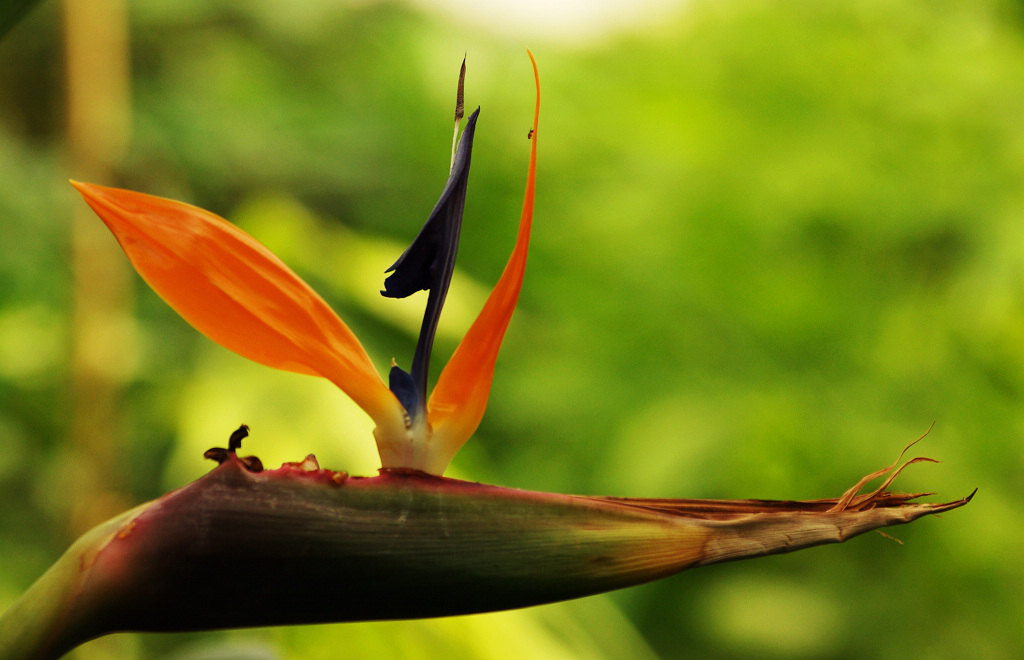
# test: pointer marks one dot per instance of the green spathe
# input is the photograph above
(240, 548)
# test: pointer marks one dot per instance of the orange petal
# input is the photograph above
(236, 292)
(460, 396)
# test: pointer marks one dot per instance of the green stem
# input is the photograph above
(37, 625)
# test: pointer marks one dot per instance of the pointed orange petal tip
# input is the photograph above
(239, 294)
(460, 396)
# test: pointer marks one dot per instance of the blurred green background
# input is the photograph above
(773, 242)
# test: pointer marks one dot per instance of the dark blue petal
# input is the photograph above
(428, 265)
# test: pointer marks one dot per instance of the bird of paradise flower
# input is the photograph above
(243, 546)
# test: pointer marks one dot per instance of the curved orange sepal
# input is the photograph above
(239, 294)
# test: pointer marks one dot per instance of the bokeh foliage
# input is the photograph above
(774, 241)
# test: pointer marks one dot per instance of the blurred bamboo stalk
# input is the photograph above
(98, 128)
